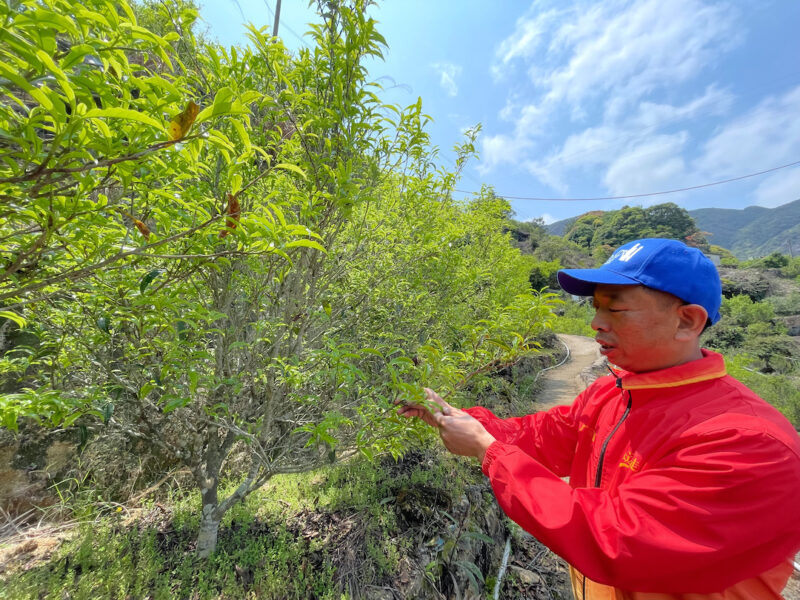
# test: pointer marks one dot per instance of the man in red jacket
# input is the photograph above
(683, 484)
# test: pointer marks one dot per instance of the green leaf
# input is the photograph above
(175, 403)
(123, 113)
(193, 379)
(12, 316)
(108, 410)
(373, 351)
(472, 571)
(237, 125)
(148, 279)
(103, 324)
(76, 53)
(39, 95)
(146, 389)
(477, 535)
(292, 168)
(306, 244)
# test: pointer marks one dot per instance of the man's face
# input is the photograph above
(636, 327)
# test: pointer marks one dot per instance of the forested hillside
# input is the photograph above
(752, 232)
(599, 232)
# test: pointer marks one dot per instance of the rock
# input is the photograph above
(748, 282)
(526, 577)
(792, 323)
(29, 463)
(379, 594)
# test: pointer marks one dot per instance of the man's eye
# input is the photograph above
(616, 310)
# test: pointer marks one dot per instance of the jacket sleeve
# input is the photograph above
(549, 437)
(711, 513)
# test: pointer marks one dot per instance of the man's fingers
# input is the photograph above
(434, 397)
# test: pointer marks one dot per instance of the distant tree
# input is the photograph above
(568, 254)
(622, 226)
(535, 230)
(602, 253)
(671, 221)
(776, 260)
(614, 228)
(583, 230)
(543, 275)
(792, 268)
(743, 311)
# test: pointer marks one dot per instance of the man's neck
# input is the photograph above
(689, 355)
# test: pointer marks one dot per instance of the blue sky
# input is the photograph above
(590, 99)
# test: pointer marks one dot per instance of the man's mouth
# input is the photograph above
(604, 346)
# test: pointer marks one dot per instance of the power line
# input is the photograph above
(661, 193)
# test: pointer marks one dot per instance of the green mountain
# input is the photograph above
(749, 233)
(754, 231)
(561, 227)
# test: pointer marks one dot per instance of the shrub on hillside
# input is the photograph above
(742, 311)
(574, 318)
(569, 254)
(786, 305)
(792, 269)
(747, 282)
(543, 275)
(723, 336)
(774, 353)
(781, 391)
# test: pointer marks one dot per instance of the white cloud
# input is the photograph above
(765, 137)
(653, 115)
(527, 37)
(779, 188)
(547, 218)
(629, 139)
(500, 149)
(447, 77)
(652, 166)
(601, 64)
(631, 49)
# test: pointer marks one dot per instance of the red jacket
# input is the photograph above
(681, 482)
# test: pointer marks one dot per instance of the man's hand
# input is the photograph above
(461, 433)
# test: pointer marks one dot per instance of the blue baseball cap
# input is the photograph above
(660, 264)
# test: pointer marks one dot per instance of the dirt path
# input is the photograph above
(563, 383)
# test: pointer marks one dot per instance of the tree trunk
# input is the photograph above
(209, 523)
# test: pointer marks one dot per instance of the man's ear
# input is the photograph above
(691, 322)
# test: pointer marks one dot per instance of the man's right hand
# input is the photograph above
(423, 412)
(461, 433)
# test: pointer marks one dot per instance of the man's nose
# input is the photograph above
(599, 323)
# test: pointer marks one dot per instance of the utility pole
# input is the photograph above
(277, 18)
(791, 252)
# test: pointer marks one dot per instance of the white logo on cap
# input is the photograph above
(625, 255)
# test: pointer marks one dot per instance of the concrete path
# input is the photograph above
(563, 383)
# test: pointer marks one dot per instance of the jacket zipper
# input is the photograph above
(599, 474)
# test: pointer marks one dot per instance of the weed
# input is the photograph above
(313, 535)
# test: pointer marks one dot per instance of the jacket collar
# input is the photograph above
(711, 366)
